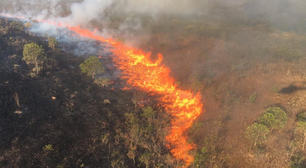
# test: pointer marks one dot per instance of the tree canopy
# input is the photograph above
(92, 66)
(274, 118)
(34, 54)
(52, 43)
(257, 133)
(17, 25)
(300, 133)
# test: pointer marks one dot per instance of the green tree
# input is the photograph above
(34, 54)
(257, 133)
(92, 66)
(253, 97)
(268, 119)
(17, 26)
(200, 158)
(301, 116)
(52, 43)
(300, 131)
(274, 118)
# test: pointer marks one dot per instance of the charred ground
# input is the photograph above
(241, 68)
(61, 118)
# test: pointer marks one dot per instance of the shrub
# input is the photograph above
(274, 118)
(92, 66)
(200, 157)
(253, 97)
(300, 134)
(288, 54)
(34, 54)
(48, 148)
(102, 82)
(257, 133)
(301, 116)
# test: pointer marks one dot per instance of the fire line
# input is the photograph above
(141, 72)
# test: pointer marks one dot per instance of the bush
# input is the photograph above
(48, 148)
(301, 116)
(52, 43)
(34, 54)
(288, 54)
(300, 134)
(92, 66)
(274, 118)
(257, 133)
(17, 26)
(28, 25)
(200, 157)
(102, 82)
(253, 97)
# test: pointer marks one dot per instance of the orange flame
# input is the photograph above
(140, 71)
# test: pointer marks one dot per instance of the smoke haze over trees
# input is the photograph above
(284, 14)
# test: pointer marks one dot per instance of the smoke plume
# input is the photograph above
(285, 14)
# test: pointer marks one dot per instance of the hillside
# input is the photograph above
(61, 118)
(250, 74)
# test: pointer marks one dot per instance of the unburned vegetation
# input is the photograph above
(252, 78)
(250, 74)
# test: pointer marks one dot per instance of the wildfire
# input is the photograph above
(140, 71)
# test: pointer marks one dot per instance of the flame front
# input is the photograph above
(141, 72)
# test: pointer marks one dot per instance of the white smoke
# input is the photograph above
(280, 13)
(83, 12)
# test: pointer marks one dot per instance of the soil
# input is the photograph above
(60, 107)
(64, 108)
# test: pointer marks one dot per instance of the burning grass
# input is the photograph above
(140, 71)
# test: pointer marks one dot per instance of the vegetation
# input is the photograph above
(28, 25)
(99, 129)
(301, 116)
(274, 118)
(92, 66)
(300, 134)
(52, 43)
(145, 137)
(48, 148)
(200, 158)
(16, 26)
(288, 54)
(298, 161)
(257, 133)
(102, 82)
(195, 83)
(34, 54)
(253, 97)
(91, 125)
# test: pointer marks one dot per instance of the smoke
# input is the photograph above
(125, 18)
(285, 13)
(86, 11)
(81, 12)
